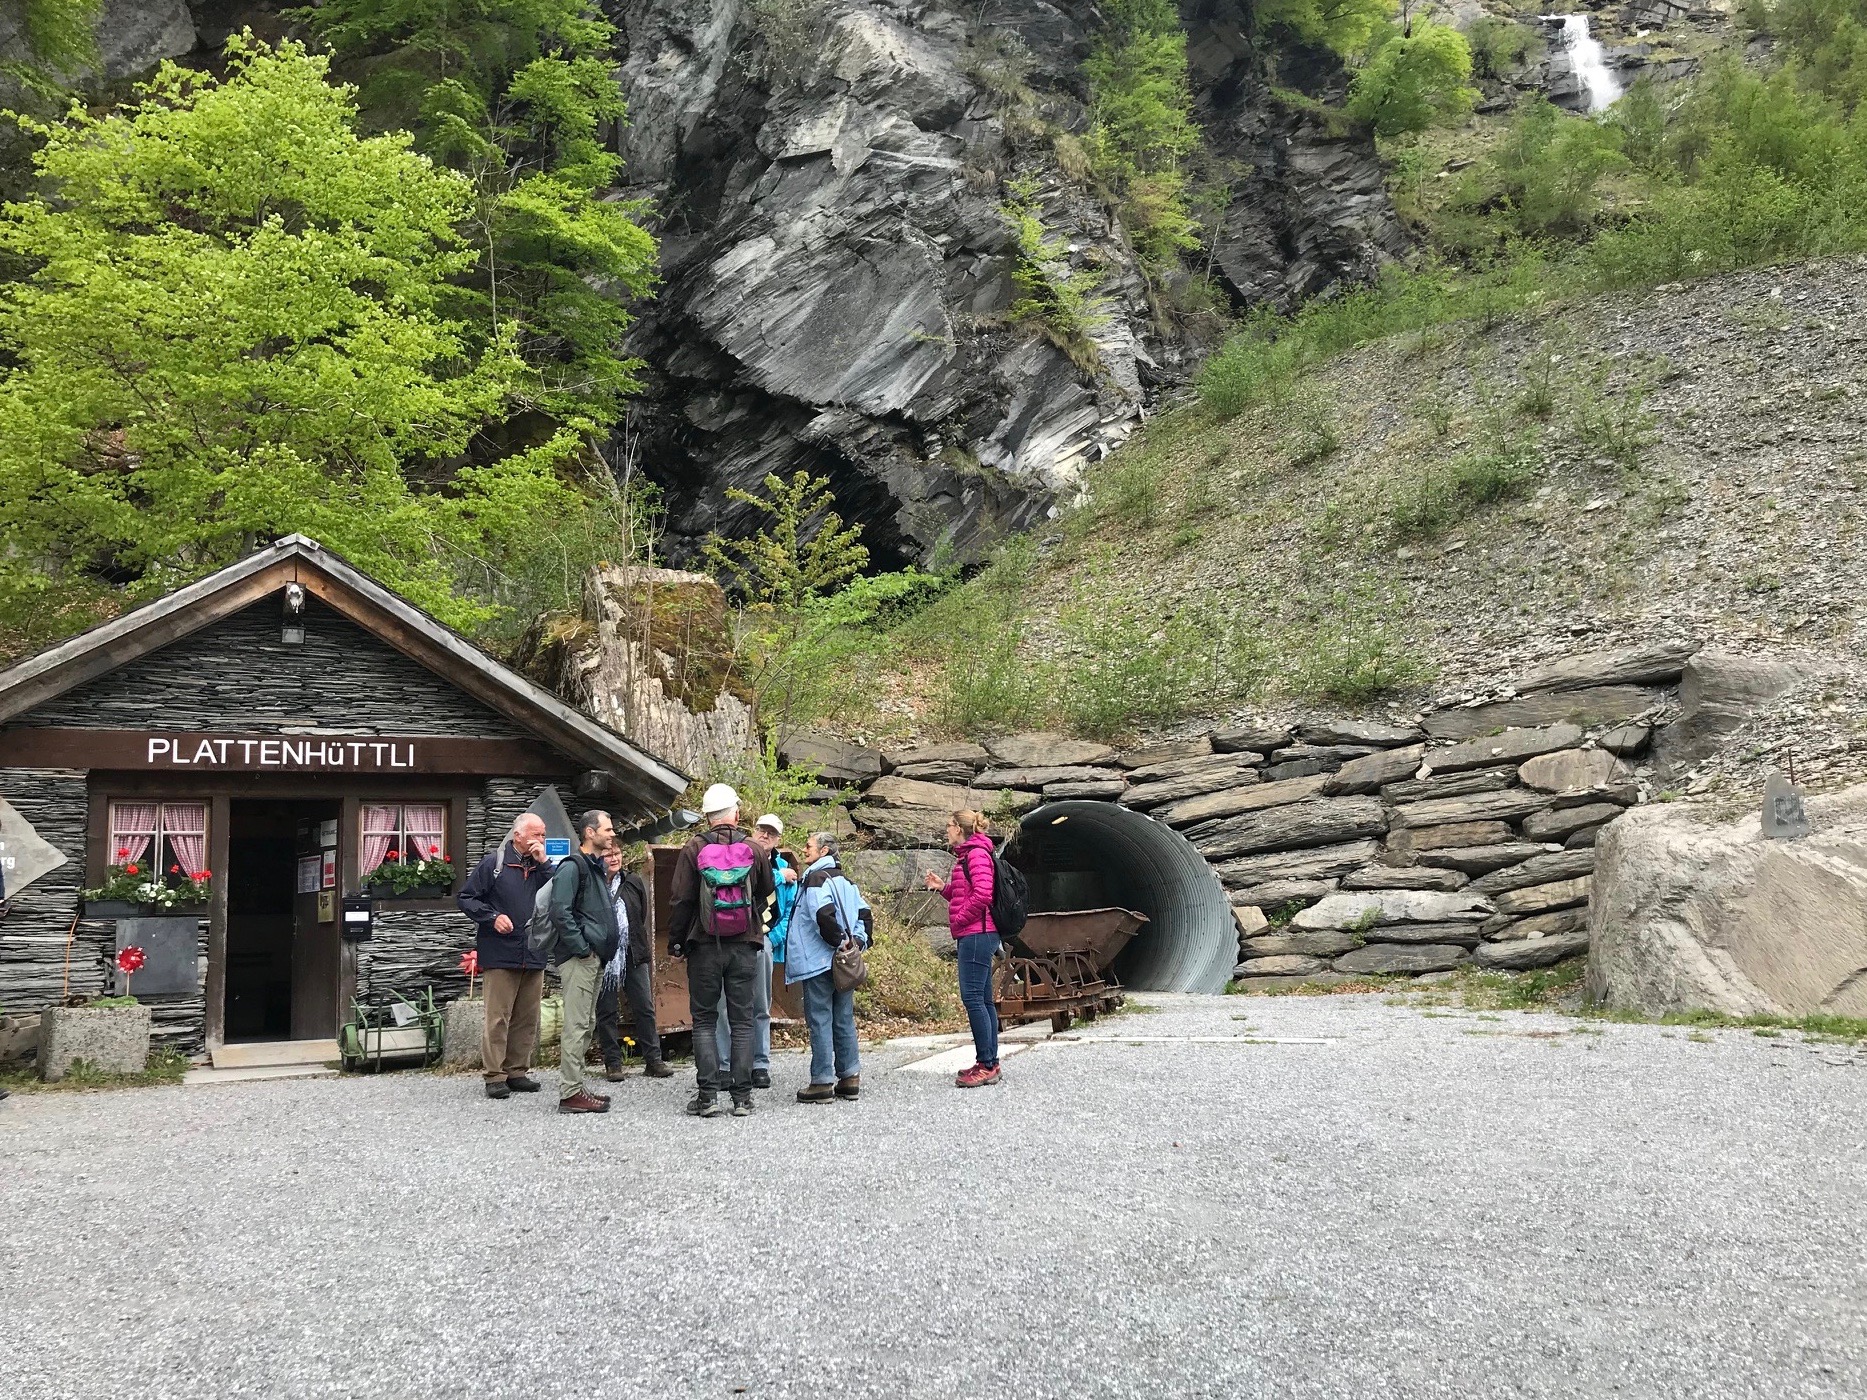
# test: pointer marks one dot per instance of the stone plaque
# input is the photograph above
(1784, 818)
(171, 955)
(25, 855)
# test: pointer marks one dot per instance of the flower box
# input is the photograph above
(390, 895)
(110, 1039)
(129, 909)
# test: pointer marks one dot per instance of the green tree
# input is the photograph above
(1345, 26)
(1414, 81)
(516, 95)
(1141, 108)
(233, 327)
(1829, 40)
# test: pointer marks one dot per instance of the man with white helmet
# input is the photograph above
(721, 885)
(766, 835)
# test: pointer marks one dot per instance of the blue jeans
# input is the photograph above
(761, 1016)
(831, 1016)
(976, 951)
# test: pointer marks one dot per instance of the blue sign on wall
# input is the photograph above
(557, 847)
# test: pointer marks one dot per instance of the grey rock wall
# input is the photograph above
(837, 267)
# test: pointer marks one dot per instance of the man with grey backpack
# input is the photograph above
(579, 928)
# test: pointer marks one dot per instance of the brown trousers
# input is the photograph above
(512, 1000)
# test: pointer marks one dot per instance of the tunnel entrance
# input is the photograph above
(1085, 855)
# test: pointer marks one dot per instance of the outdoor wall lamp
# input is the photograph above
(294, 630)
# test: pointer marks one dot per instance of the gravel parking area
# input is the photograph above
(1180, 1204)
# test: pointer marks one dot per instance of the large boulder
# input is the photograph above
(1652, 663)
(1605, 704)
(1693, 913)
(1048, 751)
(834, 761)
(1372, 908)
(1718, 693)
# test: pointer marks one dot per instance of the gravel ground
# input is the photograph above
(1427, 1205)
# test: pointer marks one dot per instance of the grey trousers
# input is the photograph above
(723, 968)
(577, 978)
(761, 1016)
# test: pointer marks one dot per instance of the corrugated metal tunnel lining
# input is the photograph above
(1082, 855)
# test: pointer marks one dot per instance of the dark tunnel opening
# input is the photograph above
(1086, 855)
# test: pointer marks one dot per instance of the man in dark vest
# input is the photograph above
(587, 937)
(498, 896)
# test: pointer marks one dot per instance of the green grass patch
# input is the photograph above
(164, 1066)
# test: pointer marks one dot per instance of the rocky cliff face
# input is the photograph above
(837, 267)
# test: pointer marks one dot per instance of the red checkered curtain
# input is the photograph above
(185, 825)
(132, 828)
(380, 828)
(425, 824)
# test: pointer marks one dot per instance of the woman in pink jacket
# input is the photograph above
(968, 894)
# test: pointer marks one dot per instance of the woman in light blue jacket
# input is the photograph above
(829, 911)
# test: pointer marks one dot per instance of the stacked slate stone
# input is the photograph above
(1348, 847)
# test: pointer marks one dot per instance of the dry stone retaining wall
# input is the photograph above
(1350, 846)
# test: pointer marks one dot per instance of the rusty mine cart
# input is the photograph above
(1059, 966)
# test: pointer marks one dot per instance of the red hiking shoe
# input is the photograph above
(976, 1076)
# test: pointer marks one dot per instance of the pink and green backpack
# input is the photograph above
(726, 881)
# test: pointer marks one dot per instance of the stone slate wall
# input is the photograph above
(1348, 847)
(238, 675)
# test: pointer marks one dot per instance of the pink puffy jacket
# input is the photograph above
(969, 888)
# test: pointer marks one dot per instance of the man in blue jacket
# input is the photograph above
(499, 897)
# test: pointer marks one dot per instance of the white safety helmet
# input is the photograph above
(719, 798)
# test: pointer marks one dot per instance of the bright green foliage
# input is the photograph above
(1414, 81)
(804, 552)
(1829, 40)
(1124, 672)
(235, 329)
(516, 93)
(1541, 180)
(1052, 295)
(801, 640)
(1141, 109)
(1500, 46)
(59, 41)
(1345, 26)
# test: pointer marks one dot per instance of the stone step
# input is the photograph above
(262, 1054)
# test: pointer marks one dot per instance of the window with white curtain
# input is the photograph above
(165, 840)
(410, 831)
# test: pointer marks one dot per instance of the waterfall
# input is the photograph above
(1588, 62)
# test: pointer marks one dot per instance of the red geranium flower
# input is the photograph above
(123, 852)
(205, 875)
(392, 856)
(175, 870)
(131, 870)
(434, 850)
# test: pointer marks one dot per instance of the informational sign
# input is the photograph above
(169, 752)
(327, 832)
(327, 870)
(327, 906)
(557, 848)
(1784, 816)
(309, 870)
(25, 855)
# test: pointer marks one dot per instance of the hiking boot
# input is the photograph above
(849, 1086)
(704, 1106)
(498, 1089)
(761, 1079)
(816, 1093)
(659, 1069)
(742, 1108)
(976, 1076)
(613, 1073)
(583, 1103)
(523, 1084)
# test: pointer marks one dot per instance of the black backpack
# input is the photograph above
(1011, 896)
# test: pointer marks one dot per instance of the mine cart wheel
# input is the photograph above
(1060, 1021)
